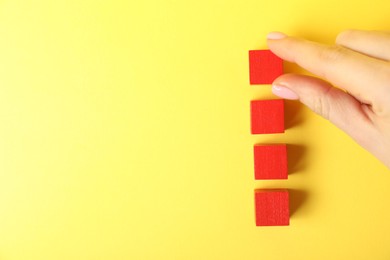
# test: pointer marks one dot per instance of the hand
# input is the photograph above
(359, 65)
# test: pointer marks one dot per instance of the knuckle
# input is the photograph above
(331, 54)
(345, 36)
(320, 109)
(321, 104)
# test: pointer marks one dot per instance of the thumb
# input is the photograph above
(342, 109)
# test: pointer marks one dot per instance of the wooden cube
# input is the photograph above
(272, 207)
(264, 67)
(270, 162)
(267, 116)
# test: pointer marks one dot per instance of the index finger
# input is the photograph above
(364, 77)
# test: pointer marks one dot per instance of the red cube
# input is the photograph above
(264, 67)
(270, 162)
(267, 116)
(272, 208)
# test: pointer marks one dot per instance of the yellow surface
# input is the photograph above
(125, 135)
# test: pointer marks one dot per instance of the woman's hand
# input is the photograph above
(359, 65)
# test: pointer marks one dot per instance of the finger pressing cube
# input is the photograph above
(264, 67)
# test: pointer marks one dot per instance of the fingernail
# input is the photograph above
(275, 36)
(284, 92)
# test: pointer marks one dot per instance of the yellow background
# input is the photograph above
(125, 135)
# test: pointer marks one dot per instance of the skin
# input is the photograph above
(359, 65)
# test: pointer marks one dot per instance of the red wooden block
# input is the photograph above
(267, 116)
(272, 208)
(270, 162)
(264, 67)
